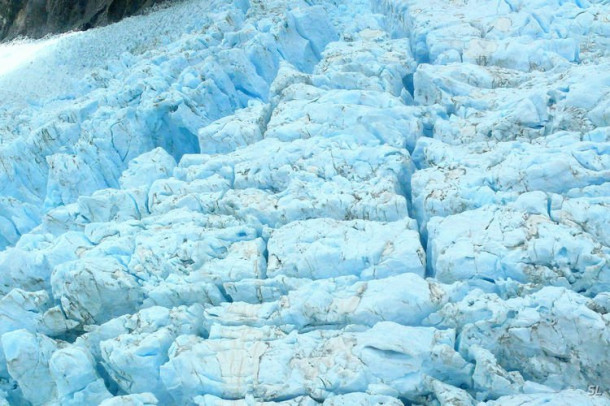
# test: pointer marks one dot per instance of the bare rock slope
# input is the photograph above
(36, 18)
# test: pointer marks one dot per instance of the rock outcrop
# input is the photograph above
(36, 18)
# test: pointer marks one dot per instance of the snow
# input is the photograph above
(309, 203)
(17, 54)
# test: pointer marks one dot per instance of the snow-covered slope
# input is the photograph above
(309, 202)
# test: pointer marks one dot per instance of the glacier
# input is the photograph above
(311, 202)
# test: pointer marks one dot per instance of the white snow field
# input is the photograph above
(309, 202)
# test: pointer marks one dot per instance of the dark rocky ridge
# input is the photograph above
(36, 18)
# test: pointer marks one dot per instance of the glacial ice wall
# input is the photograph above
(393, 202)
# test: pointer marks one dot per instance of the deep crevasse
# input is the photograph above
(315, 202)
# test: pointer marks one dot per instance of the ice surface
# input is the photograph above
(388, 354)
(309, 203)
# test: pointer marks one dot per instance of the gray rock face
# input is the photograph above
(36, 18)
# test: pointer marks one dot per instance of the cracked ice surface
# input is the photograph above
(246, 202)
